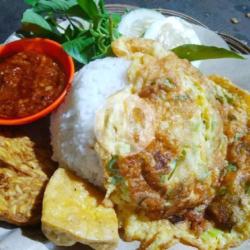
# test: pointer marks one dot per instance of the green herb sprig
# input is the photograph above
(83, 42)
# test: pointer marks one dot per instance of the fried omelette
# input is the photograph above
(25, 168)
(190, 183)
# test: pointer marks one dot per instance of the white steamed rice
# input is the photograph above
(72, 125)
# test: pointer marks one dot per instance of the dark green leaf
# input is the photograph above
(32, 30)
(100, 56)
(83, 43)
(54, 5)
(29, 16)
(72, 31)
(231, 167)
(76, 48)
(194, 52)
(102, 6)
(77, 11)
(31, 2)
(90, 8)
(69, 32)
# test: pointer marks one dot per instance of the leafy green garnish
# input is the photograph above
(231, 167)
(82, 43)
(194, 52)
(76, 48)
(53, 5)
(114, 171)
(90, 8)
(31, 2)
(31, 17)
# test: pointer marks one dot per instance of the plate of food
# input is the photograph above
(122, 128)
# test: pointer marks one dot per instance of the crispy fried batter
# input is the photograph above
(25, 168)
(228, 207)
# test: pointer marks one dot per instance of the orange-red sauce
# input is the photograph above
(29, 82)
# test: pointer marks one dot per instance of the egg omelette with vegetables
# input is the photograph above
(175, 146)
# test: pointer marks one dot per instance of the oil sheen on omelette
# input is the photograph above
(177, 164)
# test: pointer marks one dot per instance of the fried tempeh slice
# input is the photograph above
(25, 168)
(73, 212)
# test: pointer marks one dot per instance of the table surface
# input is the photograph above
(216, 14)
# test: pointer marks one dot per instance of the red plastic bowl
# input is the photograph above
(51, 49)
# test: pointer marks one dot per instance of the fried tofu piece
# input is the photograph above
(25, 168)
(73, 212)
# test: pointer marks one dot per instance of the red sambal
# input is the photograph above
(29, 82)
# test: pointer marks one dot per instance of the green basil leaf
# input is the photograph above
(69, 33)
(76, 48)
(72, 31)
(194, 52)
(30, 17)
(89, 7)
(77, 11)
(82, 42)
(102, 6)
(54, 5)
(31, 2)
(31, 30)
